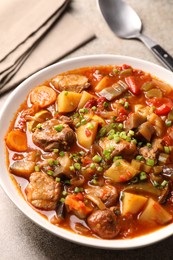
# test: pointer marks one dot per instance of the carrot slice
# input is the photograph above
(16, 140)
(43, 95)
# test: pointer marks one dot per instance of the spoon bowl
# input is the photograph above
(126, 24)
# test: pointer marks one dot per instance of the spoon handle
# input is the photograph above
(163, 56)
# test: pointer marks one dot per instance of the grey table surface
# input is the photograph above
(20, 238)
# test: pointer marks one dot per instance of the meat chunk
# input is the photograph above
(71, 82)
(42, 191)
(103, 223)
(152, 152)
(48, 138)
(107, 193)
(66, 120)
(146, 130)
(123, 147)
(134, 120)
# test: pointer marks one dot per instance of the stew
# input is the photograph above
(92, 151)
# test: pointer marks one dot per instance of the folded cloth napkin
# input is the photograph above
(35, 37)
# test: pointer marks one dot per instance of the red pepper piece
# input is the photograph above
(87, 132)
(133, 87)
(163, 105)
(162, 110)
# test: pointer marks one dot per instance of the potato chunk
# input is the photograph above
(84, 99)
(155, 213)
(22, 168)
(121, 171)
(68, 101)
(132, 203)
(86, 134)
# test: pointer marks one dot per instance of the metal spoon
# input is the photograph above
(125, 23)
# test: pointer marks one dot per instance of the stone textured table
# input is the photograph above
(21, 239)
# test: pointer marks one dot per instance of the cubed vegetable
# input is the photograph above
(22, 168)
(68, 101)
(103, 83)
(132, 203)
(84, 99)
(121, 171)
(155, 213)
(86, 135)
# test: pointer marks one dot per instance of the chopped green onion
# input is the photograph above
(94, 181)
(149, 145)
(107, 154)
(134, 141)
(82, 153)
(58, 128)
(97, 158)
(62, 200)
(100, 169)
(94, 108)
(83, 121)
(78, 124)
(57, 179)
(111, 132)
(116, 139)
(51, 162)
(64, 193)
(121, 101)
(117, 158)
(168, 122)
(126, 104)
(150, 162)
(37, 168)
(55, 150)
(142, 176)
(92, 166)
(131, 132)
(77, 166)
(102, 131)
(77, 189)
(90, 125)
(71, 168)
(167, 149)
(117, 164)
(139, 157)
(164, 183)
(50, 172)
(110, 137)
(61, 153)
(67, 181)
(105, 104)
(120, 126)
(39, 126)
(155, 184)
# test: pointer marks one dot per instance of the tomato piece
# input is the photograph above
(122, 115)
(162, 110)
(133, 86)
(163, 105)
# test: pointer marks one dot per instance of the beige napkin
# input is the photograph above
(39, 39)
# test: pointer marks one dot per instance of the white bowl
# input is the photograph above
(7, 113)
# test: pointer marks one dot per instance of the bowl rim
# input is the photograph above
(6, 182)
